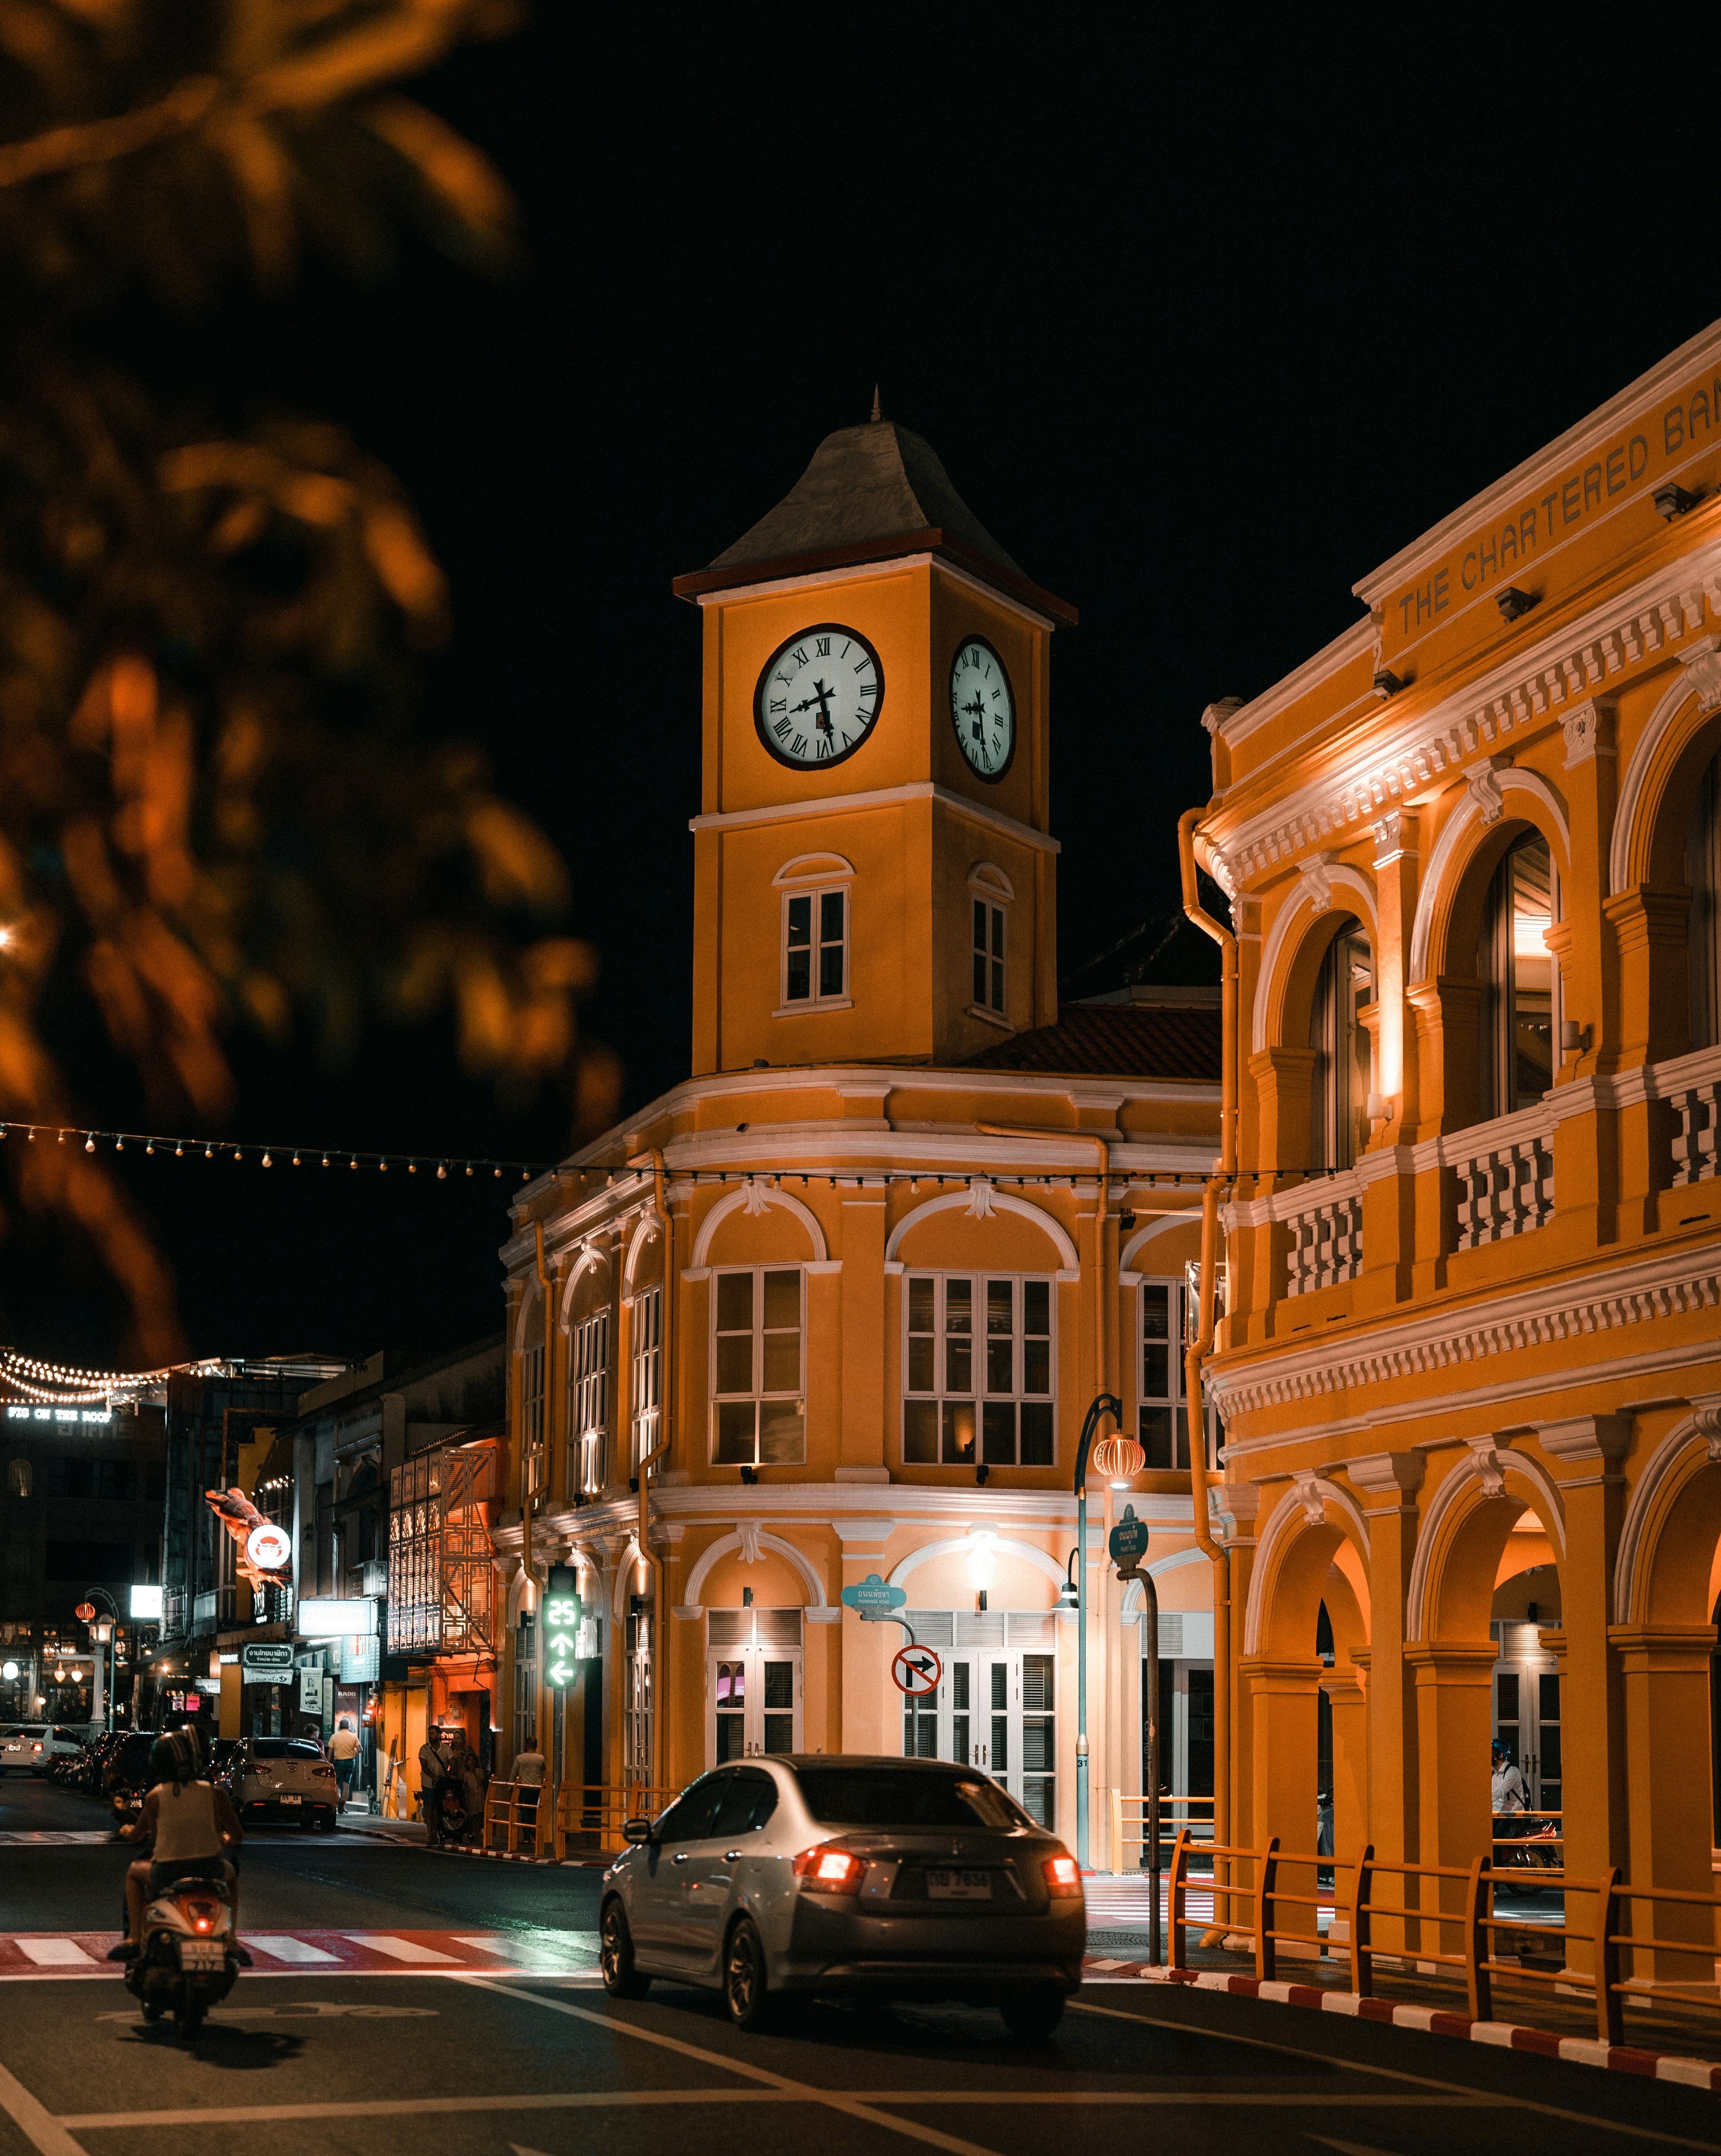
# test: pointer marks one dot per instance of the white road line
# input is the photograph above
(1398, 2074)
(515, 1945)
(44, 2131)
(399, 1949)
(791, 2093)
(283, 1947)
(850, 2106)
(55, 1954)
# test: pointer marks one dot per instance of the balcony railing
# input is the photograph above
(1698, 1108)
(1505, 1188)
(1326, 1243)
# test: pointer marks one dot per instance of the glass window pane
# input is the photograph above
(959, 1688)
(1155, 1434)
(800, 920)
(1037, 1366)
(734, 1363)
(782, 1299)
(1506, 1686)
(778, 1734)
(958, 1304)
(920, 1379)
(979, 925)
(1156, 1372)
(958, 1365)
(979, 978)
(1000, 1366)
(735, 1433)
(1036, 1306)
(997, 932)
(1038, 1448)
(782, 1362)
(1155, 1319)
(782, 1431)
(1037, 1745)
(830, 970)
(735, 1303)
(958, 1433)
(1000, 1305)
(919, 1440)
(997, 985)
(921, 1293)
(831, 917)
(1036, 1681)
(1547, 1697)
(999, 1431)
(780, 1684)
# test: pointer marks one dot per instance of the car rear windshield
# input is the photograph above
(283, 1747)
(899, 1797)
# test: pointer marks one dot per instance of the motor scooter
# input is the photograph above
(190, 1958)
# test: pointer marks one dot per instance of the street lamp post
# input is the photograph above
(1103, 1403)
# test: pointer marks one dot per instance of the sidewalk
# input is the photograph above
(352, 1818)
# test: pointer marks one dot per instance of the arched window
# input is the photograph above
(1340, 1087)
(1702, 872)
(1520, 983)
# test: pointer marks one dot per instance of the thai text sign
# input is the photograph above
(874, 1597)
(1128, 1541)
(561, 1627)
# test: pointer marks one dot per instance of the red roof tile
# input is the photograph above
(1115, 1040)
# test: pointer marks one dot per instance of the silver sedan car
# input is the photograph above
(831, 1874)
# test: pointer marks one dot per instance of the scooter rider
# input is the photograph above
(188, 1826)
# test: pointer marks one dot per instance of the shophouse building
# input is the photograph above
(836, 1305)
(1469, 1366)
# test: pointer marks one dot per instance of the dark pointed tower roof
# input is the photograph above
(871, 492)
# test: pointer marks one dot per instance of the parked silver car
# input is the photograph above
(834, 1875)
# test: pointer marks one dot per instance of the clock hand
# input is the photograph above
(979, 710)
(821, 697)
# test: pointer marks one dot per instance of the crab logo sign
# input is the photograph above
(269, 1546)
(916, 1670)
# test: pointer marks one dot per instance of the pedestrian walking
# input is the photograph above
(529, 1777)
(1507, 1797)
(432, 1773)
(344, 1751)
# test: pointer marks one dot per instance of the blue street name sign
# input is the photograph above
(874, 1597)
(1128, 1541)
(561, 1627)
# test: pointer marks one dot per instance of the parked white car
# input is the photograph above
(59, 1740)
(23, 1748)
(281, 1778)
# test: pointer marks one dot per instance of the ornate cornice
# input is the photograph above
(1563, 669)
(1671, 1284)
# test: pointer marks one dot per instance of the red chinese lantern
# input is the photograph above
(84, 1612)
(1117, 1458)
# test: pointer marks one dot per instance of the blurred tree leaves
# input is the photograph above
(212, 803)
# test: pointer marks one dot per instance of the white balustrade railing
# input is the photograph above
(1326, 1242)
(1505, 1187)
(1698, 1108)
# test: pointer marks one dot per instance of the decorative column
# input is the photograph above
(1342, 1687)
(1665, 1679)
(1387, 1483)
(1592, 1699)
(1454, 1703)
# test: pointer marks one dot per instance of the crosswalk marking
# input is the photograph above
(284, 1949)
(400, 1949)
(56, 1953)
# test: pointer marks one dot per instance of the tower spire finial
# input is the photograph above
(877, 413)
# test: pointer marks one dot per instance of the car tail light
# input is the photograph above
(830, 1871)
(327, 1773)
(1064, 1878)
(35, 1747)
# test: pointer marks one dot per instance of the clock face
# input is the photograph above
(819, 697)
(983, 708)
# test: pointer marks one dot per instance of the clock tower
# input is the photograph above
(874, 874)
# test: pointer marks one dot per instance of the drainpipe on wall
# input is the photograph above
(666, 1394)
(1202, 1346)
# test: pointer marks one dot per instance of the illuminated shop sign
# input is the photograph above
(15, 1413)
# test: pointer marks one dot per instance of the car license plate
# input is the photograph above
(292, 1800)
(202, 1954)
(959, 1886)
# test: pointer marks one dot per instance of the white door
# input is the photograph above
(993, 1710)
(753, 1684)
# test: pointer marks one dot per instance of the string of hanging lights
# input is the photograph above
(442, 1166)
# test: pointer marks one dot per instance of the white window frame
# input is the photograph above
(759, 1395)
(646, 1388)
(1176, 1319)
(988, 886)
(589, 1402)
(1702, 872)
(815, 894)
(531, 1418)
(978, 1393)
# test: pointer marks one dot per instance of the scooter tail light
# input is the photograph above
(1064, 1878)
(830, 1871)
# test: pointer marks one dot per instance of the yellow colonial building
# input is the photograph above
(1469, 1362)
(837, 1306)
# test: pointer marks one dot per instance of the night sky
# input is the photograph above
(1202, 327)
